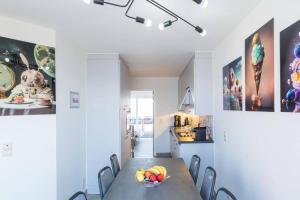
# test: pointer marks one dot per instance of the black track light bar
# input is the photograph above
(102, 2)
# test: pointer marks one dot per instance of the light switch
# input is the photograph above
(6, 150)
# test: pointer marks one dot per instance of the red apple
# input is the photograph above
(160, 178)
(153, 178)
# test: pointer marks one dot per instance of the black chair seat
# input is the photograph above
(115, 164)
(194, 167)
(208, 184)
(105, 179)
(78, 196)
(224, 194)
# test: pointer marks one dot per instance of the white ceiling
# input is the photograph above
(147, 51)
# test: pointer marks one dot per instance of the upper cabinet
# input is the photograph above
(197, 77)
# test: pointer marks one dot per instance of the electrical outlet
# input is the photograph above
(6, 150)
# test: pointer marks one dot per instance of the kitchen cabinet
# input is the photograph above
(174, 146)
(198, 77)
(106, 114)
(186, 150)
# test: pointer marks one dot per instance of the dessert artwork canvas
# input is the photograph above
(232, 86)
(259, 69)
(27, 78)
(290, 68)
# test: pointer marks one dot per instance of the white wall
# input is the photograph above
(260, 159)
(165, 103)
(30, 174)
(103, 128)
(71, 123)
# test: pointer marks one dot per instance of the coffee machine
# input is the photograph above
(200, 134)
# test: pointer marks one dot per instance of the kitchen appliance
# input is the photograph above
(177, 121)
(187, 104)
(200, 133)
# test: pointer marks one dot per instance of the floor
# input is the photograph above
(144, 148)
(93, 197)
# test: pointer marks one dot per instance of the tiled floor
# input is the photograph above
(144, 148)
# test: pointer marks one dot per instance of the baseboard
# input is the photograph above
(163, 155)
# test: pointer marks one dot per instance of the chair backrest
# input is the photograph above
(105, 179)
(115, 164)
(208, 184)
(224, 194)
(78, 196)
(194, 167)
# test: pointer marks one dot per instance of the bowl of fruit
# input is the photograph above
(152, 177)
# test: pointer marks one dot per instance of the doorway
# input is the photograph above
(142, 121)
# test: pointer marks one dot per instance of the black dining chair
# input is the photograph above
(115, 164)
(194, 167)
(105, 179)
(78, 196)
(224, 194)
(208, 184)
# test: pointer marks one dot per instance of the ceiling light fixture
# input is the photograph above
(161, 26)
(166, 24)
(148, 22)
(138, 19)
(87, 1)
(204, 3)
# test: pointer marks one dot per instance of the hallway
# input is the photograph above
(144, 148)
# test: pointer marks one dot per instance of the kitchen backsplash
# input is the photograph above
(195, 121)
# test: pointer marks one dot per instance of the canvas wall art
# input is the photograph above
(290, 68)
(259, 69)
(232, 86)
(27, 78)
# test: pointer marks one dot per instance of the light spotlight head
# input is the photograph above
(201, 31)
(99, 2)
(168, 23)
(140, 20)
(203, 3)
(6, 60)
(204, 33)
(198, 1)
(148, 23)
(161, 26)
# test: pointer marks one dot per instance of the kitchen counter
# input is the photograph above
(186, 147)
(186, 140)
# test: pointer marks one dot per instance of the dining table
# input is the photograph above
(179, 186)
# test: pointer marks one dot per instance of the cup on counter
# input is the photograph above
(44, 101)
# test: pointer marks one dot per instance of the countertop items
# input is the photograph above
(184, 135)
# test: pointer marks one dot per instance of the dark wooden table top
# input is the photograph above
(179, 187)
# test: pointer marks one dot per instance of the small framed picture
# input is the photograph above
(74, 99)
